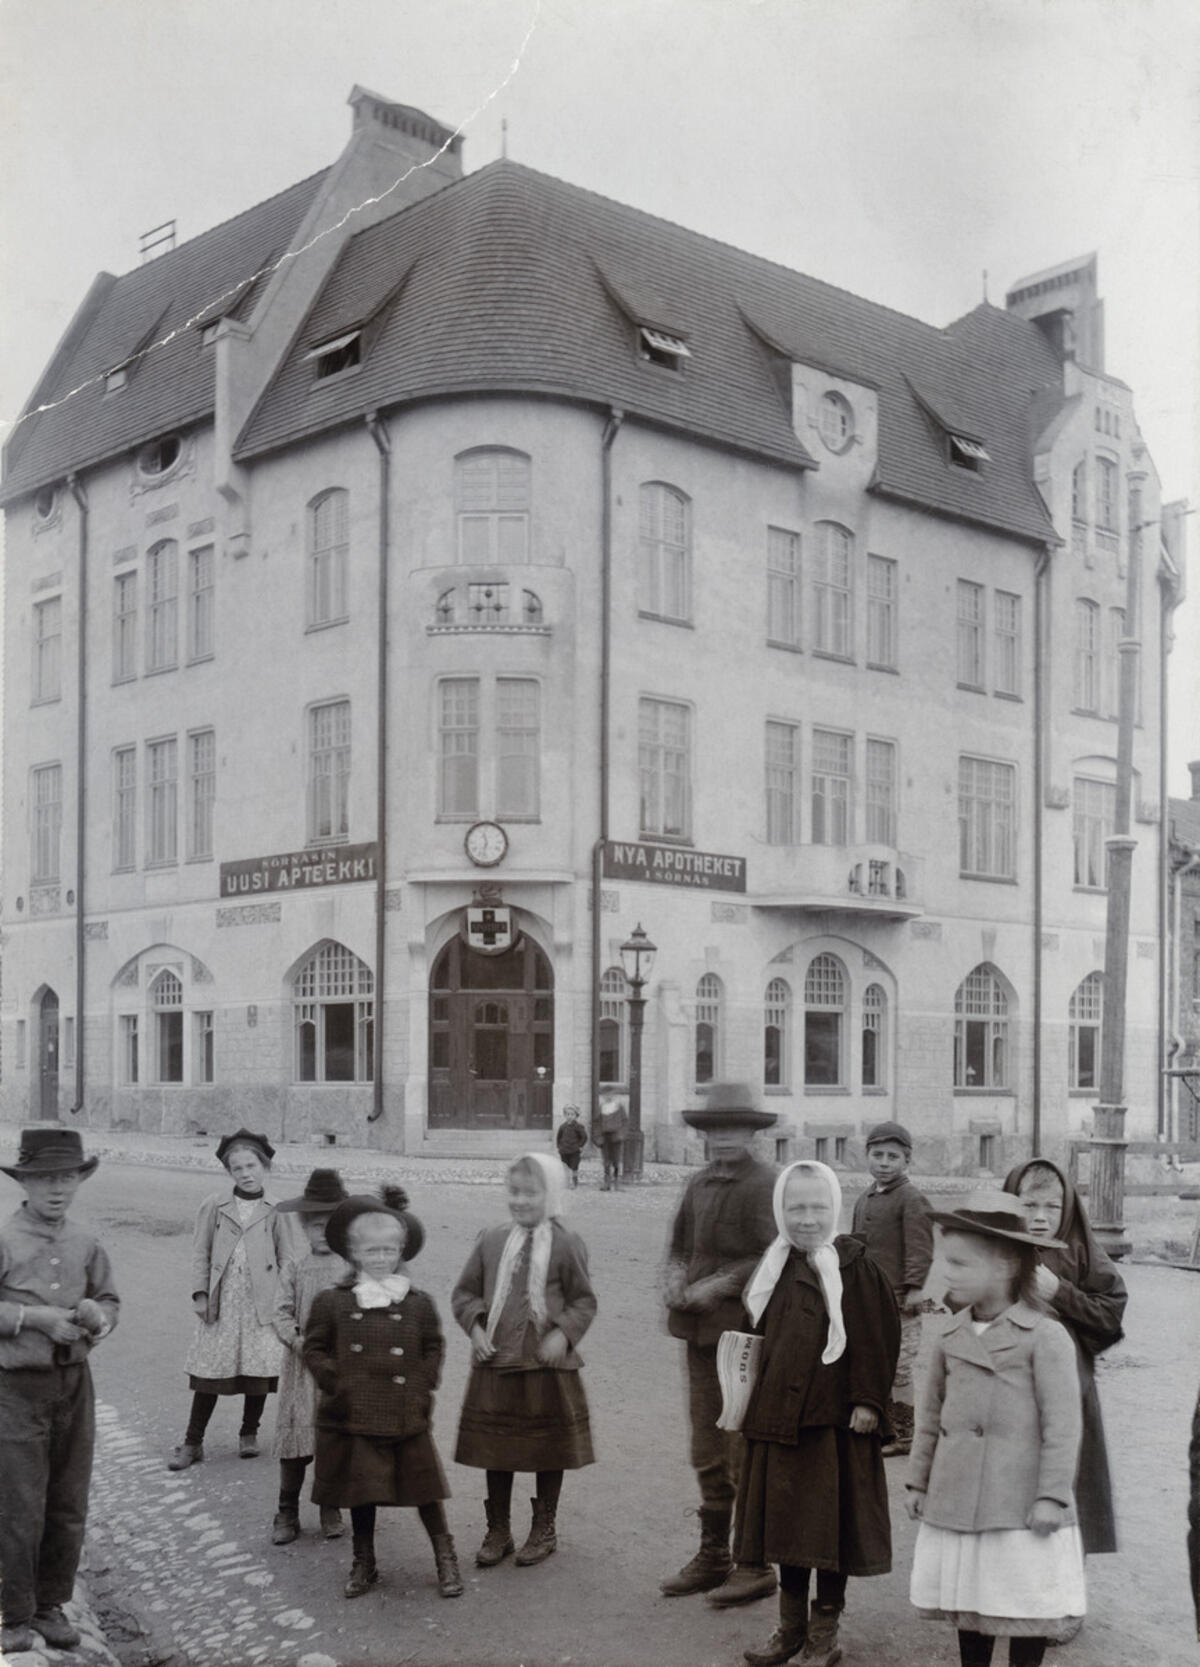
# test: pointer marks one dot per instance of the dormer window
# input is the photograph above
(659, 348)
(966, 454)
(160, 455)
(341, 354)
(835, 420)
(116, 379)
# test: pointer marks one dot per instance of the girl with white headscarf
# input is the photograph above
(524, 1299)
(812, 1492)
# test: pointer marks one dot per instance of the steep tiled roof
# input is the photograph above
(172, 385)
(517, 281)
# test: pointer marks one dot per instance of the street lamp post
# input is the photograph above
(637, 958)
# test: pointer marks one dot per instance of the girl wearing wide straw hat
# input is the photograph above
(992, 1472)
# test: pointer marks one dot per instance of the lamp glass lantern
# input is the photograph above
(637, 957)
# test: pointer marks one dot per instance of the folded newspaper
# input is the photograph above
(737, 1368)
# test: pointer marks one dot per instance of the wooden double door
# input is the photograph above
(491, 1038)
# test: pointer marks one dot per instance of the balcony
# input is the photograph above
(494, 605)
(850, 879)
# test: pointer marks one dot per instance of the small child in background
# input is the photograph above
(299, 1282)
(570, 1141)
(375, 1347)
(892, 1220)
(994, 1454)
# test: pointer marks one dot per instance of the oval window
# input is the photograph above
(44, 502)
(836, 421)
(160, 455)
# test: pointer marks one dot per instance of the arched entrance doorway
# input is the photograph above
(47, 1089)
(491, 1038)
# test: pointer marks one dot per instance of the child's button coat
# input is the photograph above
(376, 1368)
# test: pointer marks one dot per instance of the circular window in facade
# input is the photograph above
(836, 420)
(160, 455)
(45, 502)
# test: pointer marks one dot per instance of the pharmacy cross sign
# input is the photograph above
(489, 929)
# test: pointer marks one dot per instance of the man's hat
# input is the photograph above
(49, 1150)
(246, 1137)
(392, 1201)
(323, 1192)
(729, 1105)
(990, 1215)
(895, 1132)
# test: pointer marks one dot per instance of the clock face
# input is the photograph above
(486, 843)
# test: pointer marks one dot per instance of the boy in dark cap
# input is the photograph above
(724, 1223)
(892, 1220)
(56, 1301)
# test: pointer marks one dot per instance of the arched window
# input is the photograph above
(1087, 655)
(162, 606)
(777, 1027)
(491, 495)
(665, 535)
(334, 1008)
(833, 590)
(614, 1026)
(706, 1053)
(874, 1037)
(1079, 509)
(166, 1003)
(1106, 494)
(328, 556)
(981, 1030)
(824, 1022)
(1086, 1014)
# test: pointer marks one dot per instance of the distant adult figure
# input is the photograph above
(612, 1125)
(724, 1223)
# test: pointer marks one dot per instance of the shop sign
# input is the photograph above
(489, 928)
(330, 865)
(674, 865)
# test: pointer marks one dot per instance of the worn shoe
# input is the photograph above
(449, 1580)
(498, 1541)
(363, 1574)
(784, 1643)
(285, 1527)
(332, 1526)
(711, 1565)
(542, 1541)
(55, 1628)
(17, 1640)
(821, 1648)
(248, 1444)
(744, 1584)
(185, 1454)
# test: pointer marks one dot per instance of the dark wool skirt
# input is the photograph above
(232, 1386)
(373, 1470)
(535, 1420)
(821, 1504)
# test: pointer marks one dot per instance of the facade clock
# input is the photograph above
(485, 843)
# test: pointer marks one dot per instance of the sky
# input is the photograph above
(901, 149)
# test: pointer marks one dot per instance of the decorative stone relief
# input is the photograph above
(872, 961)
(128, 979)
(48, 581)
(153, 968)
(731, 914)
(96, 930)
(393, 899)
(610, 901)
(197, 529)
(1057, 798)
(1049, 940)
(250, 914)
(156, 517)
(1147, 812)
(45, 900)
(931, 929)
(127, 553)
(200, 973)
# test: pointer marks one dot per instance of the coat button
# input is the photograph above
(397, 1351)
(356, 1348)
(397, 1380)
(356, 1316)
(395, 1316)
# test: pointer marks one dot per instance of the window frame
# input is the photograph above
(784, 580)
(874, 1022)
(994, 1023)
(200, 627)
(46, 682)
(507, 731)
(883, 643)
(125, 627)
(202, 793)
(1093, 822)
(125, 817)
(510, 506)
(975, 831)
(833, 591)
(875, 806)
(45, 823)
(330, 763)
(828, 967)
(1085, 1013)
(664, 561)
(1107, 495)
(614, 994)
(327, 535)
(1006, 644)
(970, 638)
(1086, 668)
(654, 777)
(162, 607)
(707, 1016)
(782, 783)
(821, 778)
(311, 999)
(777, 1019)
(162, 802)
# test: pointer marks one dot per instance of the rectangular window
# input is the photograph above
(987, 794)
(125, 807)
(162, 803)
(881, 612)
(492, 490)
(831, 591)
(881, 793)
(168, 1040)
(162, 584)
(202, 1047)
(329, 771)
(1106, 494)
(1006, 665)
(1087, 655)
(970, 634)
(458, 747)
(328, 557)
(831, 776)
(664, 522)
(783, 587)
(21, 1045)
(783, 759)
(202, 791)
(68, 1045)
(47, 823)
(200, 604)
(665, 769)
(1095, 808)
(518, 747)
(129, 1047)
(47, 649)
(124, 627)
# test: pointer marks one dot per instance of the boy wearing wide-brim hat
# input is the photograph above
(56, 1301)
(724, 1223)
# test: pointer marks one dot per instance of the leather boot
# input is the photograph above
(900, 1416)
(789, 1636)
(542, 1541)
(711, 1565)
(187, 1453)
(498, 1541)
(822, 1650)
(444, 1555)
(332, 1526)
(363, 1572)
(286, 1526)
(746, 1582)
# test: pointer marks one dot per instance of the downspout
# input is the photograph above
(383, 445)
(1164, 638)
(1039, 741)
(611, 430)
(80, 496)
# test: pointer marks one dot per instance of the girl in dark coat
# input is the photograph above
(1085, 1292)
(374, 1345)
(812, 1491)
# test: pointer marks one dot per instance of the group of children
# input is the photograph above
(1005, 1394)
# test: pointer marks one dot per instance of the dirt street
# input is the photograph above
(187, 1572)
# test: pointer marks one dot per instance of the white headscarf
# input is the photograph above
(554, 1179)
(823, 1259)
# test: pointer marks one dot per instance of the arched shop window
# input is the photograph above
(166, 1002)
(334, 1017)
(614, 1025)
(1086, 1015)
(706, 1052)
(874, 1037)
(981, 1031)
(824, 1022)
(777, 1025)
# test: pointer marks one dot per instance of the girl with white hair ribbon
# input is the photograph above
(524, 1299)
(812, 1491)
